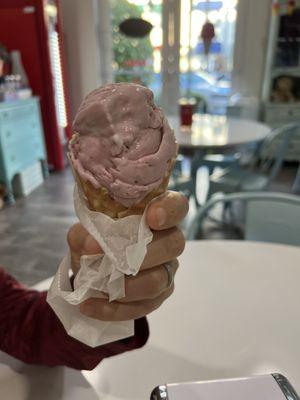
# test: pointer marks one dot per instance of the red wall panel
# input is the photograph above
(23, 26)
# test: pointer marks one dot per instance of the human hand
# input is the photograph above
(146, 291)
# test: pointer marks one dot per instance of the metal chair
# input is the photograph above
(212, 161)
(269, 217)
(271, 156)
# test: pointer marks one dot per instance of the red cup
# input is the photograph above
(186, 112)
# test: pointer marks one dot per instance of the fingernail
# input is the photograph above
(161, 216)
(87, 309)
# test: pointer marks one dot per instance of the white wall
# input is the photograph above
(251, 46)
(170, 56)
(82, 49)
(104, 37)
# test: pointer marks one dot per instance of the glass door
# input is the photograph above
(206, 52)
(137, 58)
(197, 66)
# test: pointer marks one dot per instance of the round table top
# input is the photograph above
(218, 131)
(235, 312)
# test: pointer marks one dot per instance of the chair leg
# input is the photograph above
(296, 186)
(226, 205)
(194, 169)
(210, 169)
(10, 194)
(45, 169)
(209, 193)
(229, 217)
(195, 228)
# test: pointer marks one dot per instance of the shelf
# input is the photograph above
(283, 40)
(286, 70)
(283, 106)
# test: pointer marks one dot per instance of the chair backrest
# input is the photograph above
(270, 217)
(274, 148)
(273, 219)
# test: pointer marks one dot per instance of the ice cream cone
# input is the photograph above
(121, 149)
(99, 199)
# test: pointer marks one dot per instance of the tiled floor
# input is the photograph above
(33, 232)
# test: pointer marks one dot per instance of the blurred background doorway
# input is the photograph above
(198, 65)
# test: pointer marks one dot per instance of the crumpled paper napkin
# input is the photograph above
(124, 244)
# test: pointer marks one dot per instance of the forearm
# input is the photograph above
(31, 332)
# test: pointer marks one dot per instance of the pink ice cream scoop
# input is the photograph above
(124, 142)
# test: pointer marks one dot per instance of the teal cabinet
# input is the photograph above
(21, 140)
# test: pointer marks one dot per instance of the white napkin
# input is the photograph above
(124, 243)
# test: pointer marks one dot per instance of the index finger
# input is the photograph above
(81, 242)
(167, 211)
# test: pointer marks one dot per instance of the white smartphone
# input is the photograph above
(261, 387)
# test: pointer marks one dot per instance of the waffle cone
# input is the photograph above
(99, 199)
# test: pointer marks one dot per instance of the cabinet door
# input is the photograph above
(38, 134)
(12, 160)
(18, 124)
(21, 137)
(3, 174)
(24, 26)
(282, 115)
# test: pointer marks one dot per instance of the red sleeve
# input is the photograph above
(31, 332)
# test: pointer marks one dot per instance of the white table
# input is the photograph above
(19, 381)
(218, 132)
(235, 312)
